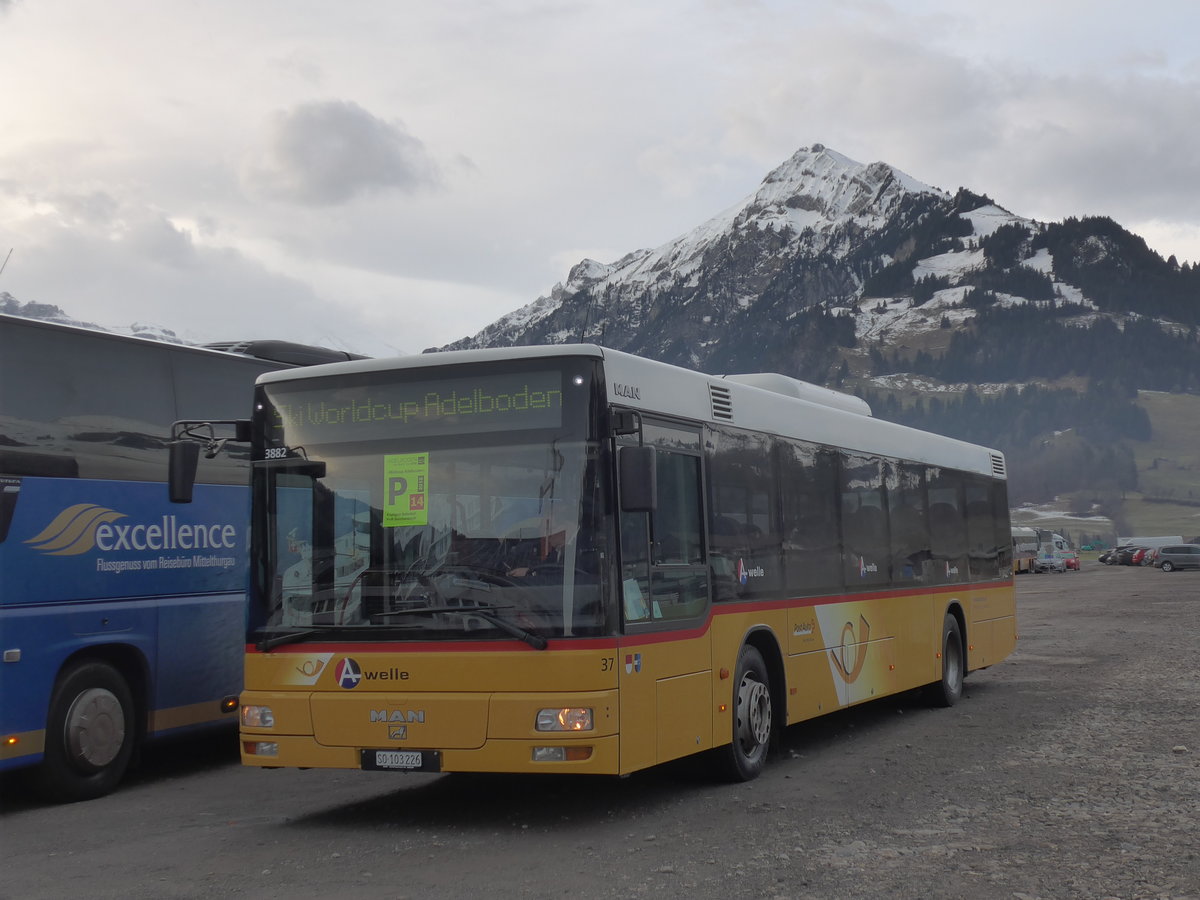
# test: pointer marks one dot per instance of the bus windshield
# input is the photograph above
(422, 526)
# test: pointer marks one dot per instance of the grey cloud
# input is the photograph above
(1045, 145)
(327, 153)
(152, 272)
(157, 239)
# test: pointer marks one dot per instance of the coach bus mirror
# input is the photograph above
(181, 469)
(243, 431)
(638, 476)
(313, 468)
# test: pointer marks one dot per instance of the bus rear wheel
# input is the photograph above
(753, 719)
(89, 733)
(946, 691)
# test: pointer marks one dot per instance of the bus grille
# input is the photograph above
(721, 402)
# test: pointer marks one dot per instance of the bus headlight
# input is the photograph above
(258, 717)
(561, 754)
(572, 718)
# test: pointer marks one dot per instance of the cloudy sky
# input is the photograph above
(389, 176)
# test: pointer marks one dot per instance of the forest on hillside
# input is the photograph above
(1032, 341)
(1058, 442)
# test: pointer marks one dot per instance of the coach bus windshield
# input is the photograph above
(445, 507)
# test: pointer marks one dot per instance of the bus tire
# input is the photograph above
(753, 719)
(946, 691)
(90, 733)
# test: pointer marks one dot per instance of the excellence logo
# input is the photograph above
(73, 531)
(85, 527)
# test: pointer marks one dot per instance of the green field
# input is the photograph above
(1168, 499)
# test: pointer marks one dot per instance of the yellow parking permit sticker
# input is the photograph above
(405, 479)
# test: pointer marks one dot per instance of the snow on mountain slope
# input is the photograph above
(808, 201)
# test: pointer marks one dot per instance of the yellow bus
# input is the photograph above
(571, 559)
(1025, 549)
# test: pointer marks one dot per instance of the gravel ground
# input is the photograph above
(1070, 770)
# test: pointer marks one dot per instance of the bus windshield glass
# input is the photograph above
(461, 507)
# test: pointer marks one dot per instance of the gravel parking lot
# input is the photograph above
(1071, 770)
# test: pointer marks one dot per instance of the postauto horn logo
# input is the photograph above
(86, 526)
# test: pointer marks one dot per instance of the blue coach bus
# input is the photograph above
(121, 616)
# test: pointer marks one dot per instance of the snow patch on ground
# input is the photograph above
(1029, 513)
(905, 381)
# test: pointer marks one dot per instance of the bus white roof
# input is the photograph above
(762, 402)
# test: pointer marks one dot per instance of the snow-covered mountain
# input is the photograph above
(834, 270)
(49, 313)
(830, 258)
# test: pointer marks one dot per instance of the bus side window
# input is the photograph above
(635, 565)
(911, 557)
(1003, 529)
(987, 557)
(809, 487)
(678, 586)
(662, 555)
(866, 551)
(677, 520)
(745, 547)
(947, 526)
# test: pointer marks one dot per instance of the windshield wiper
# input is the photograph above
(536, 641)
(267, 644)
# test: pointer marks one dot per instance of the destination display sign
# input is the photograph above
(337, 412)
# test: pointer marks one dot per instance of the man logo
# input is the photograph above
(347, 673)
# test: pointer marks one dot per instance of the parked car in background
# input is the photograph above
(1049, 562)
(1126, 557)
(1070, 559)
(1178, 556)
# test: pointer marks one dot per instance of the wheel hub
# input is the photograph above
(95, 728)
(754, 713)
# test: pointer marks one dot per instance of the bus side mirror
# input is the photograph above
(625, 422)
(638, 475)
(181, 470)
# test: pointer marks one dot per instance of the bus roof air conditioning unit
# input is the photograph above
(803, 390)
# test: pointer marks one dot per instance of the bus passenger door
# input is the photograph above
(664, 664)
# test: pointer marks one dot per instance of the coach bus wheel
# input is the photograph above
(947, 691)
(746, 755)
(89, 733)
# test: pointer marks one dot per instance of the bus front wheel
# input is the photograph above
(89, 733)
(946, 691)
(753, 718)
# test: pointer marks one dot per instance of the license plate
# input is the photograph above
(402, 760)
(398, 759)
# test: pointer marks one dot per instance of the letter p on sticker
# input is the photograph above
(397, 488)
